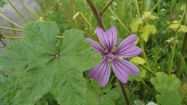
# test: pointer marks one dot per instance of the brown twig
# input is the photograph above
(96, 14)
(124, 93)
(105, 7)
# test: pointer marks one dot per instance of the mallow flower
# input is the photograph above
(114, 56)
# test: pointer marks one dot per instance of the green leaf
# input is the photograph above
(26, 61)
(174, 26)
(77, 56)
(170, 98)
(147, 30)
(137, 60)
(98, 96)
(72, 86)
(148, 15)
(183, 28)
(165, 83)
(34, 83)
(37, 65)
(77, 52)
(138, 77)
(167, 86)
(134, 25)
(9, 60)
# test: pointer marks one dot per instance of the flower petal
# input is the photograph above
(123, 69)
(112, 37)
(127, 48)
(108, 38)
(95, 45)
(101, 72)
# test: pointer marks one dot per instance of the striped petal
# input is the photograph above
(95, 45)
(101, 72)
(108, 38)
(123, 69)
(127, 48)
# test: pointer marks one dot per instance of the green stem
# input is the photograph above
(158, 2)
(3, 16)
(60, 37)
(86, 20)
(134, 89)
(144, 54)
(123, 25)
(150, 71)
(142, 44)
(175, 43)
(106, 7)
(9, 28)
(181, 63)
(137, 8)
(13, 37)
(17, 11)
(29, 9)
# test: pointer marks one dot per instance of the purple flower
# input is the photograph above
(107, 50)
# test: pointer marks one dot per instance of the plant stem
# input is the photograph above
(183, 50)
(124, 93)
(106, 7)
(144, 54)
(125, 27)
(9, 28)
(148, 69)
(137, 7)
(11, 37)
(17, 11)
(158, 2)
(7, 19)
(29, 9)
(96, 14)
(175, 43)
(86, 20)
(14, 37)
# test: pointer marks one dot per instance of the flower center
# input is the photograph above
(110, 56)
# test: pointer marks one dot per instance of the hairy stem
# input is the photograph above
(17, 11)
(137, 7)
(9, 28)
(90, 25)
(7, 19)
(183, 50)
(29, 9)
(123, 25)
(106, 7)
(157, 3)
(124, 93)
(96, 14)
(175, 44)
(14, 37)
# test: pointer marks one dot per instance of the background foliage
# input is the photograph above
(48, 64)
